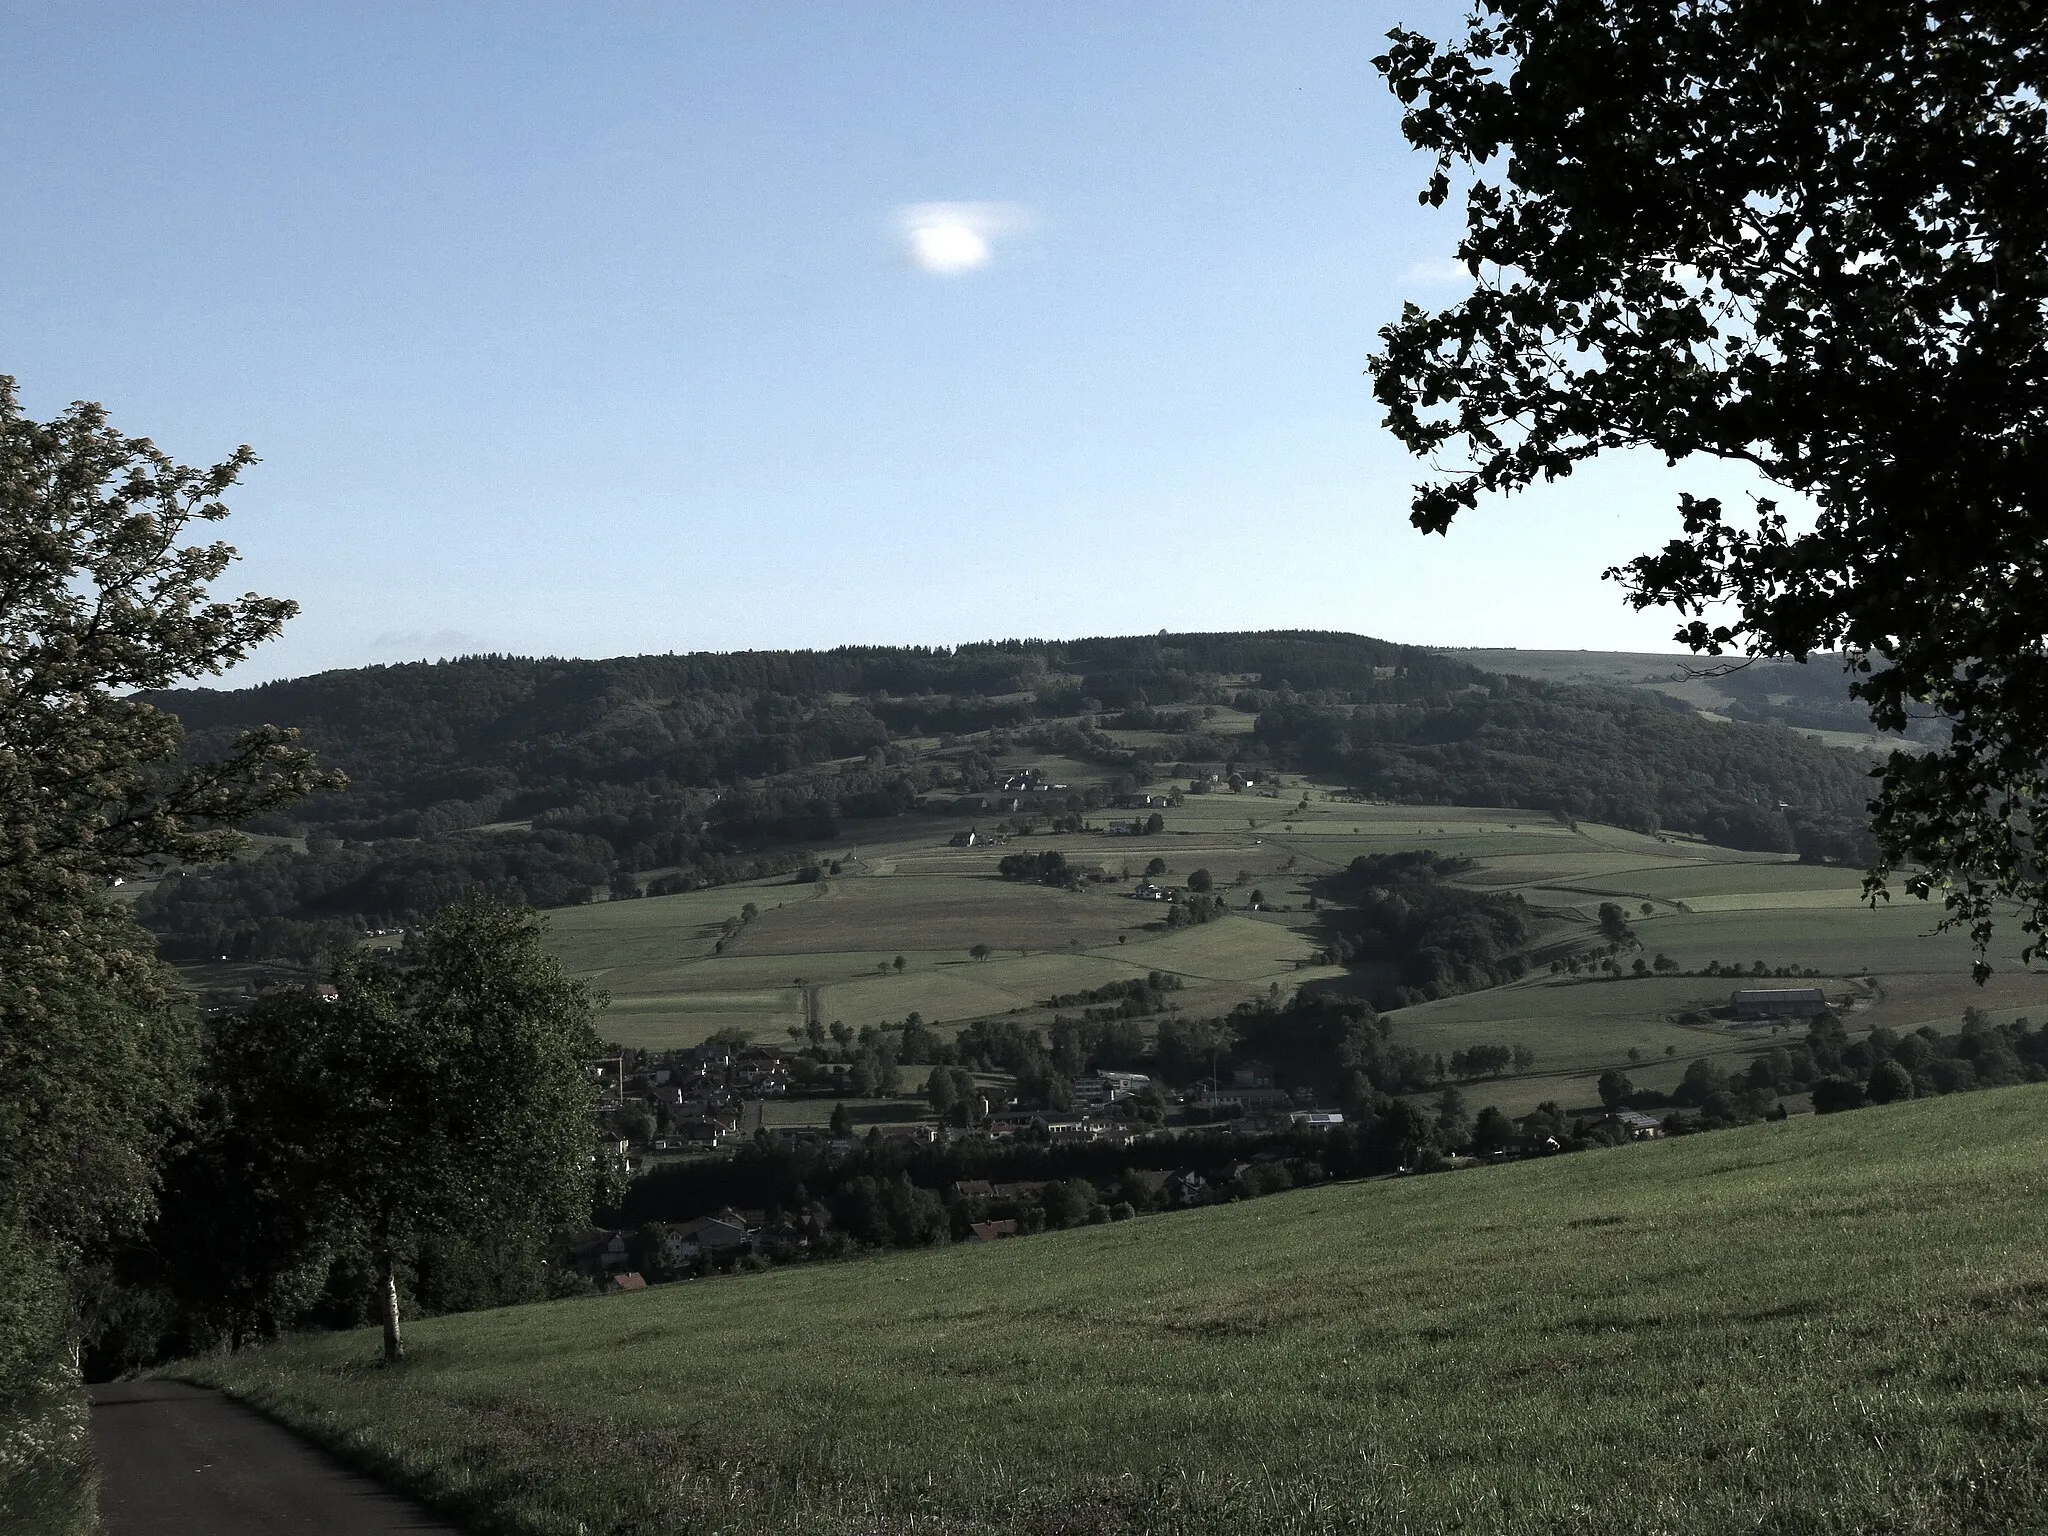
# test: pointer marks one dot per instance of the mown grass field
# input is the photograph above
(1822, 1325)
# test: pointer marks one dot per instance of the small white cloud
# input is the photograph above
(1438, 270)
(954, 238)
(425, 642)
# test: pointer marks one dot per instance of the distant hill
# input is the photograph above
(559, 781)
(1808, 696)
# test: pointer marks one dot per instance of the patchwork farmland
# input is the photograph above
(827, 950)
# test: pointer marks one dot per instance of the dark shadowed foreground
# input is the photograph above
(179, 1460)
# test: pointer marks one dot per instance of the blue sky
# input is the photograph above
(598, 329)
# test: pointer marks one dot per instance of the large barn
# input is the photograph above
(1778, 1002)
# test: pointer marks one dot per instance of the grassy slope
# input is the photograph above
(1818, 1325)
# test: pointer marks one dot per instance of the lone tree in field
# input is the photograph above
(103, 595)
(451, 1095)
(1614, 924)
(1812, 239)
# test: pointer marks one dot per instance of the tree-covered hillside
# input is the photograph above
(1626, 757)
(553, 782)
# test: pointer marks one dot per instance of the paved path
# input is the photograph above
(179, 1460)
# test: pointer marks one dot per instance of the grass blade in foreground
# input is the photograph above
(1819, 1325)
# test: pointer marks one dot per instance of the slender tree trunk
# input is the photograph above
(394, 1348)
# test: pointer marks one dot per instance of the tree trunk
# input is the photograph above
(394, 1348)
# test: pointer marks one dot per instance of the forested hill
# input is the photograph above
(513, 733)
(554, 781)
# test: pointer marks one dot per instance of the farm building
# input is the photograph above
(1109, 1087)
(1778, 1002)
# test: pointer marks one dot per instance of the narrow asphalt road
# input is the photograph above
(179, 1460)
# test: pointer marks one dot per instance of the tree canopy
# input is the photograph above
(101, 596)
(452, 1094)
(1812, 239)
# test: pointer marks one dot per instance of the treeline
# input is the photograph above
(1132, 998)
(1881, 1068)
(1628, 758)
(781, 1177)
(1324, 1046)
(423, 1127)
(1813, 697)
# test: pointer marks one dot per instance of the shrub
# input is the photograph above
(1832, 1094)
(1889, 1084)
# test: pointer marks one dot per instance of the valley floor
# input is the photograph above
(826, 950)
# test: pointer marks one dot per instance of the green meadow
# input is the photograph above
(1819, 1325)
(827, 950)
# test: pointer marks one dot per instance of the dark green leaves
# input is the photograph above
(1809, 238)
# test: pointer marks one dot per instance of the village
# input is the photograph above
(700, 1105)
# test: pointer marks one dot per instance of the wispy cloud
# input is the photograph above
(425, 642)
(1438, 271)
(951, 239)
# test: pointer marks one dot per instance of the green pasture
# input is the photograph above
(1907, 1001)
(905, 893)
(948, 994)
(787, 1114)
(937, 913)
(1721, 878)
(1335, 849)
(1611, 669)
(1234, 948)
(1839, 940)
(1579, 861)
(1069, 771)
(659, 930)
(671, 1020)
(1827, 1325)
(1578, 1029)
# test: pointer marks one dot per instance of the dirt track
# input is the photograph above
(179, 1460)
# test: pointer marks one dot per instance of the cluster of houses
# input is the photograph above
(700, 1097)
(604, 1254)
(1031, 781)
(1251, 1093)
(1236, 780)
